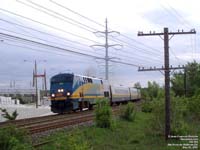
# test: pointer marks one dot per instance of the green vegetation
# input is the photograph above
(126, 135)
(128, 112)
(192, 80)
(8, 116)
(67, 140)
(103, 113)
(12, 138)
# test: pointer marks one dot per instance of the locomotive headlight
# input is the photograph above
(60, 90)
(52, 95)
(68, 93)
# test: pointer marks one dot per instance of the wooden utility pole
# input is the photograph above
(166, 69)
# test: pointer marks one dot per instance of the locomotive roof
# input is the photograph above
(77, 75)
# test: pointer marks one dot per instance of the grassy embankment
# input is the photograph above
(124, 135)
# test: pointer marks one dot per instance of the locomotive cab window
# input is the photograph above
(60, 79)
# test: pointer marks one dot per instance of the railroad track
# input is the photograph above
(37, 120)
(64, 122)
(44, 123)
(60, 124)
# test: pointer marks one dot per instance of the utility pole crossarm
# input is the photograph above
(182, 32)
(169, 33)
(148, 34)
(159, 69)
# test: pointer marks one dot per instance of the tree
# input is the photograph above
(178, 84)
(137, 85)
(192, 80)
(152, 91)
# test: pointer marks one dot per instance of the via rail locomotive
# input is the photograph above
(72, 92)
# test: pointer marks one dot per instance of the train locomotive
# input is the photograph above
(71, 92)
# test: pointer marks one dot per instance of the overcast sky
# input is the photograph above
(70, 25)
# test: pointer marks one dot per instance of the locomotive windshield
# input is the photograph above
(62, 78)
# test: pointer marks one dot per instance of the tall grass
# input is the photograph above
(128, 112)
(103, 114)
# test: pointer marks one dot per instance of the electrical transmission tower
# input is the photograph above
(35, 83)
(166, 69)
(107, 46)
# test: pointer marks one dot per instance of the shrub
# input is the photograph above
(194, 107)
(8, 116)
(103, 114)
(157, 122)
(147, 107)
(12, 138)
(128, 112)
(178, 111)
(179, 128)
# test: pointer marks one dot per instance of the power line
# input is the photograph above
(38, 50)
(42, 39)
(179, 15)
(64, 44)
(44, 24)
(75, 12)
(59, 37)
(137, 48)
(76, 23)
(46, 40)
(87, 26)
(171, 13)
(140, 43)
(29, 18)
(63, 49)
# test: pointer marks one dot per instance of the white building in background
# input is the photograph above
(8, 101)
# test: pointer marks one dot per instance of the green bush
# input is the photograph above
(178, 112)
(103, 114)
(194, 106)
(128, 112)
(157, 122)
(147, 107)
(12, 138)
(179, 128)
